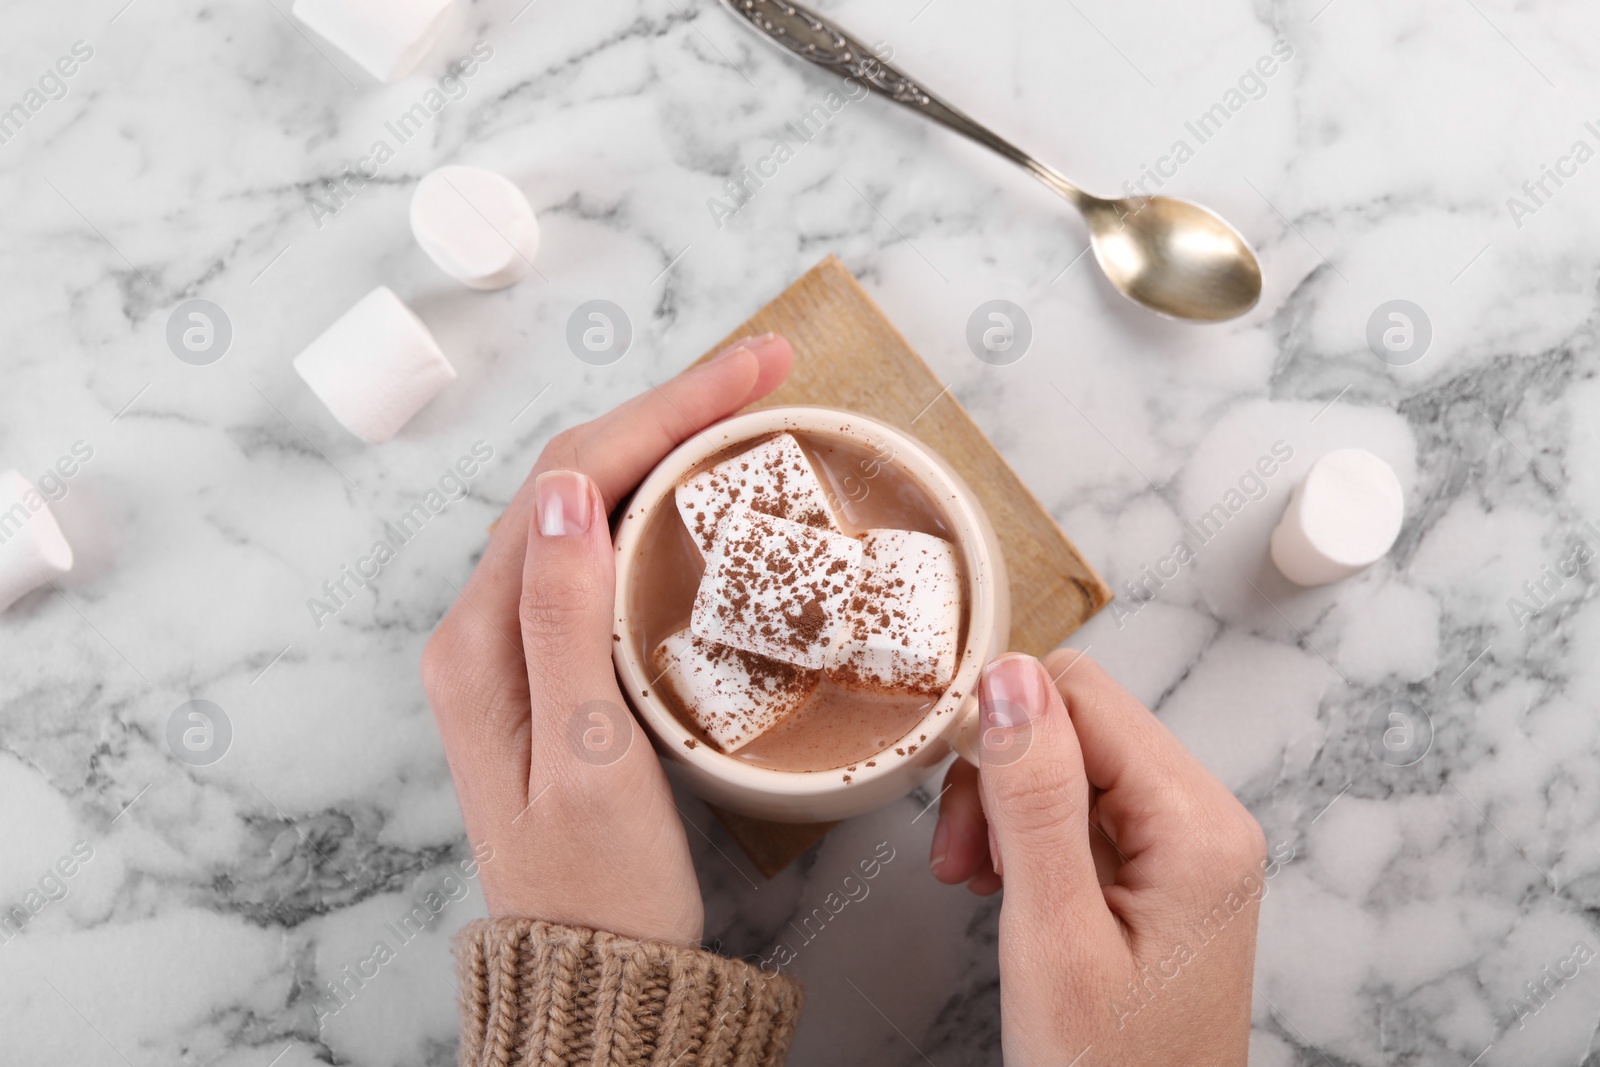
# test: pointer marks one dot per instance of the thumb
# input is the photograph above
(568, 585)
(1035, 793)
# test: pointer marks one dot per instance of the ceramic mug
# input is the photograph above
(821, 796)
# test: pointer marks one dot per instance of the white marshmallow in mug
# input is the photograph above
(1343, 517)
(776, 588)
(387, 37)
(475, 225)
(734, 696)
(774, 477)
(375, 367)
(33, 549)
(902, 626)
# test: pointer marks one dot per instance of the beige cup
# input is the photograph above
(821, 796)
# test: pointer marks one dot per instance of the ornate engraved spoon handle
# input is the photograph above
(811, 37)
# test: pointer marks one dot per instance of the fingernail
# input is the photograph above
(562, 501)
(994, 852)
(1012, 692)
(744, 344)
(941, 845)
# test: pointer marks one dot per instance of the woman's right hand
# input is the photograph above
(1132, 877)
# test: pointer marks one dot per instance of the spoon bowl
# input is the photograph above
(1174, 257)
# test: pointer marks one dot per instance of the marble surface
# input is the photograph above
(209, 905)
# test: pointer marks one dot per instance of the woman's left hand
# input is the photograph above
(566, 806)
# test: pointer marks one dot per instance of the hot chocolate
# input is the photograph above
(801, 608)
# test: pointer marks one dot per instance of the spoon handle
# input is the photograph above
(814, 38)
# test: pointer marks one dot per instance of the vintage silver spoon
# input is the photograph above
(1173, 256)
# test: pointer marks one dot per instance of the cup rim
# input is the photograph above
(916, 459)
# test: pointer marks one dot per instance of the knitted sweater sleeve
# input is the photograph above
(539, 993)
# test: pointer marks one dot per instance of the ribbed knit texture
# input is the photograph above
(537, 994)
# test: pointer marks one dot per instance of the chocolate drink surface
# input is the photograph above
(803, 649)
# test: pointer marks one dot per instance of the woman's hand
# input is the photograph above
(1133, 878)
(568, 810)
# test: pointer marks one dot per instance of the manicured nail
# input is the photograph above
(941, 845)
(744, 344)
(562, 500)
(1012, 692)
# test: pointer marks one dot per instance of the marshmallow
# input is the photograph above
(476, 225)
(734, 696)
(387, 37)
(774, 477)
(375, 367)
(32, 548)
(1341, 519)
(903, 624)
(776, 588)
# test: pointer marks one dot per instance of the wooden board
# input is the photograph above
(849, 355)
(771, 846)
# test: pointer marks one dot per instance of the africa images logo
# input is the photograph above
(339, 591)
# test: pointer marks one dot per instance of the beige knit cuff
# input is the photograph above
(540, 993)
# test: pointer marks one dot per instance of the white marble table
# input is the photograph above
(180, 162)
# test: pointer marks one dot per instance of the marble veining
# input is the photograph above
(1439, 913)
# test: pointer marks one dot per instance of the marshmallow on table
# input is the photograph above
(1341, 519)
(734, 696)
(776, 588)
(375, 367)
(903, 623)
(476, 225)
(32, 548)
(775, 477)
(387, 37)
